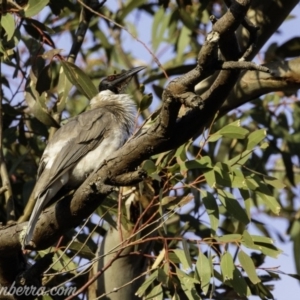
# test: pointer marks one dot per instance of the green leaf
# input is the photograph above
(222, 176)
(214, 137)
(155, 294)
(180, 153)
(8, 24)
(226, 176)
(44, 80)
(149, 166)
(103, 38)
(37, 105)
(296, 276)
(202, 163)
(159, 26)
(146, 102)
(263, 292)
(184, 259)
(51, 53)
(255, 138)
(171, 202)
(248, 266)
(239, 283)
(203, 272)
(262, 239)
(183, 42)
(270, 201)
(233, 132)
(247, 201)
(212, 209)
(295, 236)
(276, 183)
(187, 20)
(83, 250)
(229, 238)
(62, 262)
(210, 177)
(79, 79)
(251, 183)
(232, 206)
(34, 7)
(265, 245)
(63, 91)
(241, 158)
(129, 7)
(141, 291)
(247, 240)
(186, 250)
(175, 296)
(289, 166)
(227, 266)
(187, 284)
(163, 274)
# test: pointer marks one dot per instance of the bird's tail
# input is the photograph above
(39, 206)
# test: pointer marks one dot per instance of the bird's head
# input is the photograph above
(117, 83)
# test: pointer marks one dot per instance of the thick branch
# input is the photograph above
(252, 84)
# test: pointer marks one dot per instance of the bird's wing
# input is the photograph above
(84, 133)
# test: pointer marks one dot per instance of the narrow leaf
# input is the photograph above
(270, 201)
(8, 24)
(186, 250)
(141, 291)
(241, 158)
(202, 163)
(146, 102)
(233, 132)
(188, 285)
(203, 272)
(227, 266)
(186, 263)
(212, 209)
(34, 7)
(232, 206)
(248, 266)
(229, 238)
(255, 138)
(155, 294)
(239, 283)
(79, 79)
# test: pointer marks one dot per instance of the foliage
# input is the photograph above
(207, 192)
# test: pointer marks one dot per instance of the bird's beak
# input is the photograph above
(118, 82)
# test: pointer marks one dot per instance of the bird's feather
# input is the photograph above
(81, 137)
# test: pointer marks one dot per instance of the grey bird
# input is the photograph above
(80, 147)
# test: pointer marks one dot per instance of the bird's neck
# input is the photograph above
(120, 105)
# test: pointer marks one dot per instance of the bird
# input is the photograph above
(81, 146)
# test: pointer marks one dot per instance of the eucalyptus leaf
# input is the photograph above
(227, 266)
(82, 82)
(34, 7)
(8, 24)
(248, 266)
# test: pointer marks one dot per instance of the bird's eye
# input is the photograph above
(111, 77)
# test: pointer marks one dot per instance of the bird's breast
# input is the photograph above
(93, 160)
